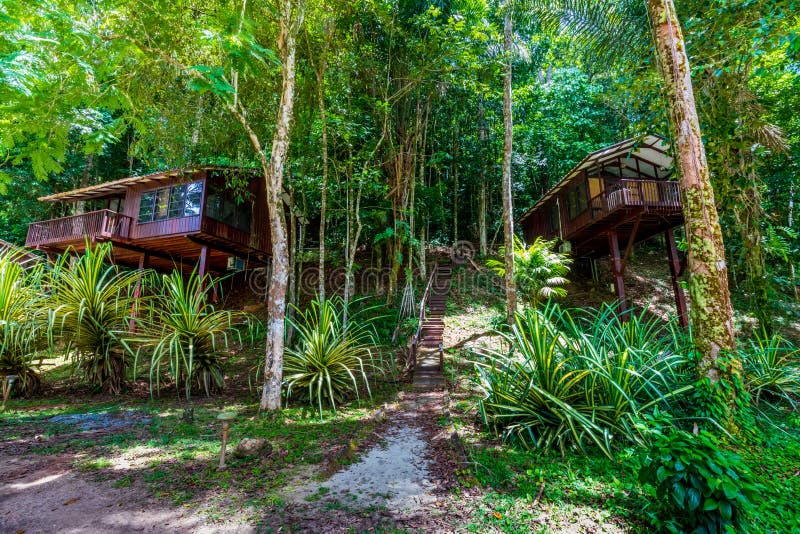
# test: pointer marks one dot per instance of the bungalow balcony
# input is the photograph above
(100, 225)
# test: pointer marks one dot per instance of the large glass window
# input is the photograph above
(173, 202)
(225, 209)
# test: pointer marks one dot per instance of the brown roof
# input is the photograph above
(120, 186)
(651, 150)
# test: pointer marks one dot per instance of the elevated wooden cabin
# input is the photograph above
(176, 218)
(614, 198)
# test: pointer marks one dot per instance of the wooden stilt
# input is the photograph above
(144, 260)
(617, 271)
(675, 270)
(201, 267)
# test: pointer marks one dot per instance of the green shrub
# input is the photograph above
(328, 361)
(700, 487)
(185, 335)
(573, 380)
(539, 271)
(23, 324)
(92, 302)
(772, 369)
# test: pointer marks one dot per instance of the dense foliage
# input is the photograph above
(182, 333)
(335, 356)
(701, 487)
(573, 378)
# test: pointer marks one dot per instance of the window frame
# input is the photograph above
(149, 202)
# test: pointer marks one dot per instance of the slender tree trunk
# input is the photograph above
(291, 17)
(711, 312)
(80, 207)
(319, 71)
(482, 136)
(791, 222)
(508, 212)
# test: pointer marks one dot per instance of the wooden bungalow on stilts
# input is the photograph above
(179, 218)
(614, 198)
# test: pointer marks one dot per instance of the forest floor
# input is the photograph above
(74, 462)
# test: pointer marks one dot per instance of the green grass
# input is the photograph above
(177, 461)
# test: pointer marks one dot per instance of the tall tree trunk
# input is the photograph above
(319, 71)
(482, 201)
(711, 312)
(291, 17)
(508, 212)
(791, 222)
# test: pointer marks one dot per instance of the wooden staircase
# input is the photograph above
(433, 325)
(427, 353)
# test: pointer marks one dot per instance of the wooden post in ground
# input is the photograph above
(674, 271)
(201, 265)
(617, 271)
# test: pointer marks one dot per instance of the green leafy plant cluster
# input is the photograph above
(701, 487)
(576, 377)
(539, 270)
(91, 303)
(23, 321)
(772, 369)
(184, 335)
(331, 359)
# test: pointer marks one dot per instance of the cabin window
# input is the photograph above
(577, 201)
(225, 209)
(173, 202)
(555, 221)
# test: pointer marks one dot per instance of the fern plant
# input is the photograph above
(539, 270)
(184, 335)
(91, 302)
(329, 361)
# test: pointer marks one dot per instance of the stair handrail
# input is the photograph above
(422, 303)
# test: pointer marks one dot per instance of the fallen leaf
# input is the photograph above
(498, 515)
(72, 501)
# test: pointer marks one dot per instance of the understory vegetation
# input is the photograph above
(112, 323)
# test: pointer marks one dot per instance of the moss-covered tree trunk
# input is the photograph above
(711, 313)
(508, 212)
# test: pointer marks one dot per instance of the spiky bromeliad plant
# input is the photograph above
(92, 302)
(539, 270)
(571, 379)
(329, 360)
(23, 323)
(772, 369)
(185, 335)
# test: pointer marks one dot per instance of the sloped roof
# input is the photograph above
(640, 157)
(119, 186)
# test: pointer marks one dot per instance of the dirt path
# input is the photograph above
(47, 494)
(401, 482)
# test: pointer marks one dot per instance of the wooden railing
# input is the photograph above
(423, 303)
(623, 194)
(104, 224)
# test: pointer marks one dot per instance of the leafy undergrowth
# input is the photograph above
(513, 490)
(177, 460)
(590, 492)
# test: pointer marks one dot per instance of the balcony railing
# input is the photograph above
(624, 194)
(101, 224)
